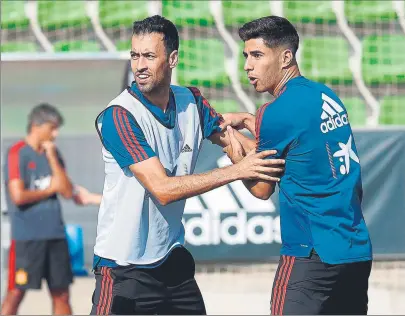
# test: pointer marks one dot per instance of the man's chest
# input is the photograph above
(37, 172)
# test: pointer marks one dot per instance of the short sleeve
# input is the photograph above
(275, 129)
(15, 165)
(210, 119)
(123, 137)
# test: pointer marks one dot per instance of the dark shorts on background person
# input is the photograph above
(30, 261)
(307, 286)
(169, 289)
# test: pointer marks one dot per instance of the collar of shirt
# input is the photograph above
(168, 118)
(294, 81)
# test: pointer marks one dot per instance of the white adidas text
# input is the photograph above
(210, 229)
(332, 114)
(232, 219)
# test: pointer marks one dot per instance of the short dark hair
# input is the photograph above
(44, 113)
(158, 24)
(274, 30)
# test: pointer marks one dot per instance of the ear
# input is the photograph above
(173, 59)
(287, 58)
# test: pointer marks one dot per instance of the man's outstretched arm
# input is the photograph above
(167, 189)
(133, 151)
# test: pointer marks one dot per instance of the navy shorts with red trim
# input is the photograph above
(30, 261)
(169, 289)
(307, 286)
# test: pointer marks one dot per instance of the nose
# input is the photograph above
(142, 64)
(247, 66)
(55, 133)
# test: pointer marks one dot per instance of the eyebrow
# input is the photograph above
(256, 52)
(144, 53)
(252, 52)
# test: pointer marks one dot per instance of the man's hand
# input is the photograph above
(49, 148)
(234, 150)
(239, 121)
(254, 166)
(82, 196)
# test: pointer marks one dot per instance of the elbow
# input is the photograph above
(263, 195)
(17, 200)
(163, 199)
(162, 195)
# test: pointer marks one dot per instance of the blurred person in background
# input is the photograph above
(34, 177)
(151, 135)
(326, 252)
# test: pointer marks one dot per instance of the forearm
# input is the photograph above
(66, 187)
(95, 199)
(174, 189)
(24, 197)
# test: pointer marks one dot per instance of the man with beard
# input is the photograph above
(151, 134)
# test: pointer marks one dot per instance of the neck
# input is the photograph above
(290, 73)
(160, 97)
(33, 141)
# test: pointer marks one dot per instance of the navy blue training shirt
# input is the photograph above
(41, 220)
(321, 189)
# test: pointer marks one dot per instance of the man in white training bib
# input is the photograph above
(151, 134)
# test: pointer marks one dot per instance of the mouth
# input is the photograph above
(253, 80)
(142, 78)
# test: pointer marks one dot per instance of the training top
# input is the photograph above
(36, 221)
(321, 189)
(133, 228)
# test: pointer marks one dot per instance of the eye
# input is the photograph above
(256, 56)
(134, 55)
(150, 57)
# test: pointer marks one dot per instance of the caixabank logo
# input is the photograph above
(230, 215)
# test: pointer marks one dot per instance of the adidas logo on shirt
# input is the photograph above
(331, 115)
(186, 149)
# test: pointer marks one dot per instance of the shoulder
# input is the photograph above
(182, 89)
(282, 113)
(195, 91)
(17, 148)
(122, 98)
(307, 90)
(196, 97)
(118, 115)
(280, 106)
